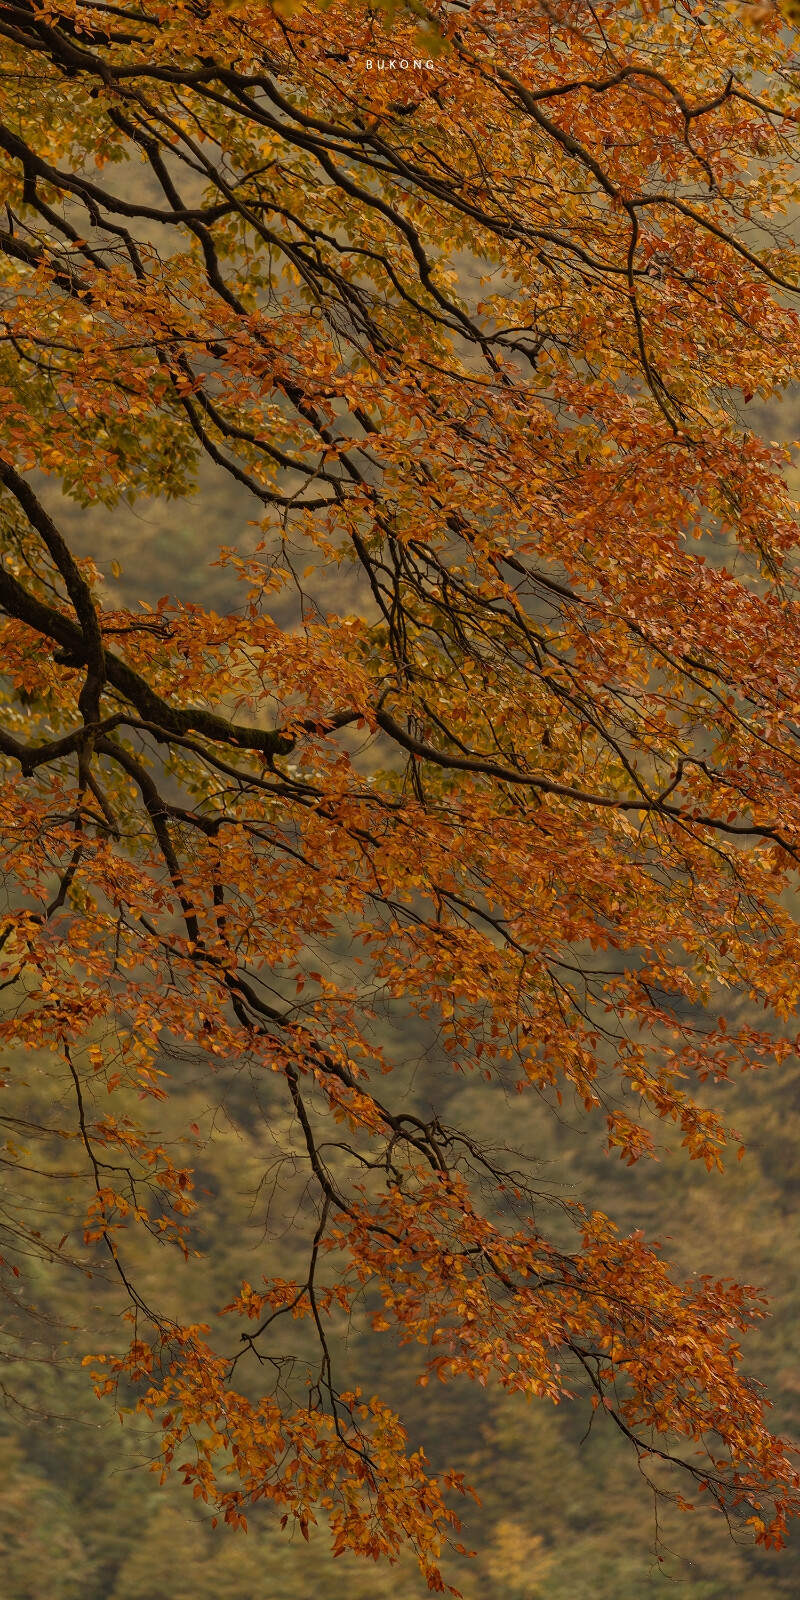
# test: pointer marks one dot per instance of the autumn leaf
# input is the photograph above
(500, 737)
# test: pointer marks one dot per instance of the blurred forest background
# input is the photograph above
(564, 1514)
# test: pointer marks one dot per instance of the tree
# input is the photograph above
(463, 297)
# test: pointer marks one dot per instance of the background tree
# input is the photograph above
(488, 742)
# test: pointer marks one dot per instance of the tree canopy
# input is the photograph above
(502, 736)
